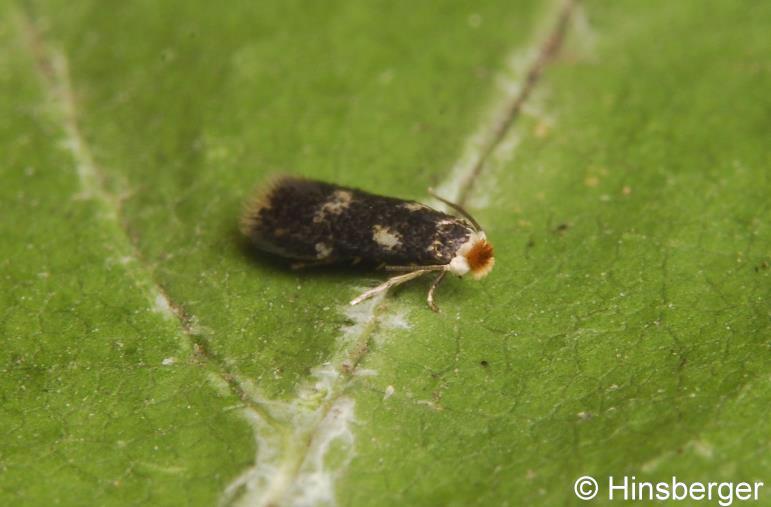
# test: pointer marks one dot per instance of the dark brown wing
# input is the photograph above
(312, 220)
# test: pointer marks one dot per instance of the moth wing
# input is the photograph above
(275, 237)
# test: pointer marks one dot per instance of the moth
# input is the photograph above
(320, 223)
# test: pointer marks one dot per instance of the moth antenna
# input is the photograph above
(391, 282)
(458, 208)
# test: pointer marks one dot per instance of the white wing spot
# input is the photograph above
(447, 222)
(386, 237)
(323, 250)
(414, 206)
(434, 246)
(336, 204)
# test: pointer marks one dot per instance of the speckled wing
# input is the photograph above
(311, 220)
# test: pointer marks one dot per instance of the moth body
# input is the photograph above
(321, 223)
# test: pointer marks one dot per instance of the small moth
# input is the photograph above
(320, 223)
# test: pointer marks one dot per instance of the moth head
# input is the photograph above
(475, 256)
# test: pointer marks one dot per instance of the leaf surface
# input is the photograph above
(616, 154)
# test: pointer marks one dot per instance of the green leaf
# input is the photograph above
(616, 154)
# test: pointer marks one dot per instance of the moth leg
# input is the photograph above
(432, 290)
(435, 267)
(391, 282)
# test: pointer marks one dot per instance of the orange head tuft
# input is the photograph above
(480, 259)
